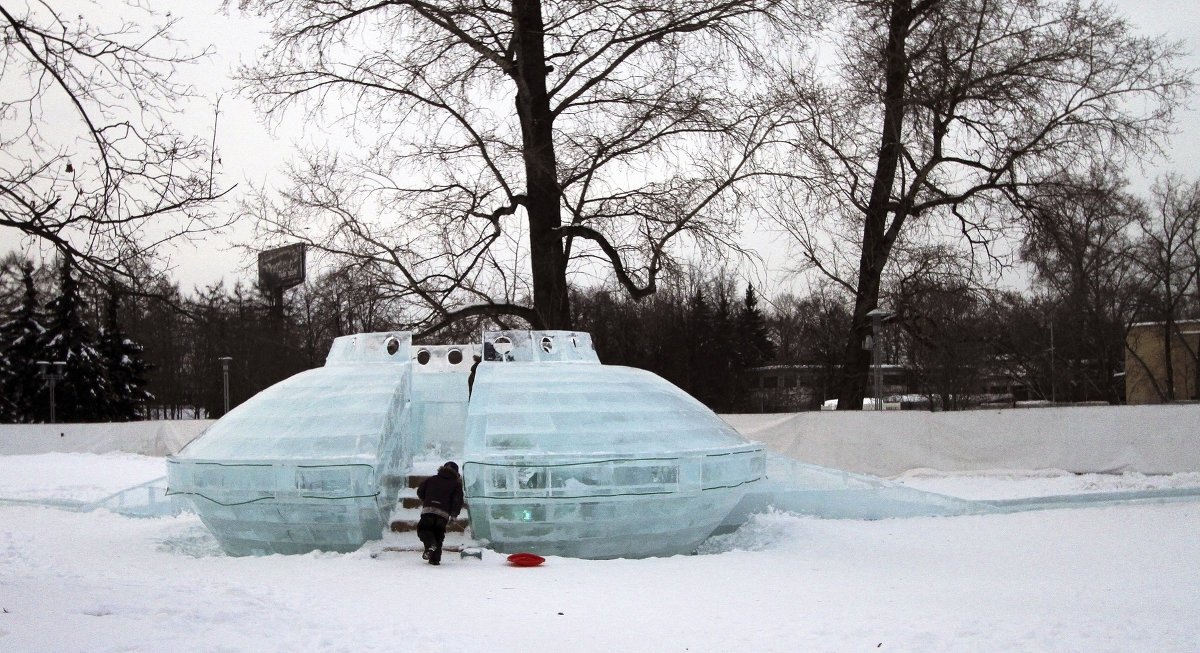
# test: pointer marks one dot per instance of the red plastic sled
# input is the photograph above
(525, 560)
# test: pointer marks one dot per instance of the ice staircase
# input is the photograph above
(408, 509)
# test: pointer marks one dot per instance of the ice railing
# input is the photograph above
(231, 484)
(443, 358)
(149, 499)
(618, 476)
(383, 347)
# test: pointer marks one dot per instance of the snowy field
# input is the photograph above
(1096, 579)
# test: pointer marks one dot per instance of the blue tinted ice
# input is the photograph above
(565, 456)
(807, 489)
(439, 399)
(313, 462)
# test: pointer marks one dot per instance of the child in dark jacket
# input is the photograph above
(441, 498)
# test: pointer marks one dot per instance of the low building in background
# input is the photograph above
(1159, 369)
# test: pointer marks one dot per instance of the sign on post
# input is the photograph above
(280, 269)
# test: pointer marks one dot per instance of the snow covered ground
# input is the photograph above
(1096, 579)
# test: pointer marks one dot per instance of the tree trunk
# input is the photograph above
(877, 237)
(1168, 356)
(542, 204)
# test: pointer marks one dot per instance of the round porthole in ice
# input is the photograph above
(454, 356)
(547, 344)
(503, 345)
(423, 356)
(392, 345)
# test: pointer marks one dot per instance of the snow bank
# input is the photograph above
(156, 438)
(1082, 440)
(1091, 439)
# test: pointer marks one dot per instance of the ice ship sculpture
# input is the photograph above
(566, 456)
(561, 455)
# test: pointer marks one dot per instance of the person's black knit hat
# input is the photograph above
(452, 465)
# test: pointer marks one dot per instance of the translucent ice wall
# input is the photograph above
(439, 399)
(565, 456)
(313, 462)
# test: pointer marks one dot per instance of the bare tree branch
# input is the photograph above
(107, 183)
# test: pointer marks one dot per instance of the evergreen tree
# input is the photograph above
(21, 342)
(82, 394)
(724, 362)
(755, 347)
(124, 366)
(698, 335)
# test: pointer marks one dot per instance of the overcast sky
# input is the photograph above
(252, 155)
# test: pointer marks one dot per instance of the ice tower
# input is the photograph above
(313, 462)
(566, 456)
(439, 399)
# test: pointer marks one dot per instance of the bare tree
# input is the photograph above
(505, 146)
(945, 338)
(89, 164)
(945, 113)
(1166, 255)
(808, 331)
(1079, 240)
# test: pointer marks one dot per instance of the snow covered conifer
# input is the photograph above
(124, 365)
(21, 341)
(82, 394)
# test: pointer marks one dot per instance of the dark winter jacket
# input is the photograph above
(442, 493)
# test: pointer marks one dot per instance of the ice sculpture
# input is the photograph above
(565, 456)
(313, 462)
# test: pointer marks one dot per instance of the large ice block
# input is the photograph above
(439, 398)
(565, 456)
(313, 462)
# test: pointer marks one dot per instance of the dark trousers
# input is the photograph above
(432, 531)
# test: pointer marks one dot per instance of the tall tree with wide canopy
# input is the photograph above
(500, 147)
(82, 395)
(1168, 240)
(1079, 240)
(944, 114)
(125, 369)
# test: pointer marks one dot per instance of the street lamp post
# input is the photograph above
(877, 316)
(1053, 381)
(225, 374)
(52, 372)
